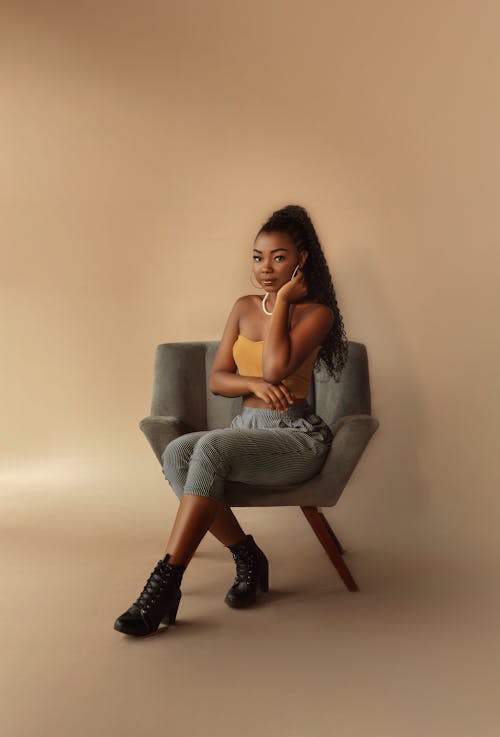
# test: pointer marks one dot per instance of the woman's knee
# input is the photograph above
(176, 453)
(215, 445)
(206, 456)
(174, 466)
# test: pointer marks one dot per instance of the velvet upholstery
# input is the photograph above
(181, 402)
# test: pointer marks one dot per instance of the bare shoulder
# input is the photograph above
(240, 303)
(314, 306)
(249, 301)
(318, 308)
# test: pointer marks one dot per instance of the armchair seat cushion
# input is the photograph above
(182, 403)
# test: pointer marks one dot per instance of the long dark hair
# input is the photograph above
(296, 223)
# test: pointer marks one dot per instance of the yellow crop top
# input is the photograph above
(247, 354)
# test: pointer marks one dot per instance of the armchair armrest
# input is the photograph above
(160, 430)
(179, 383)
(356, 419)
(351, 436)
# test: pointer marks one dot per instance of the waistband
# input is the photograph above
(294, 411)
(297, 418)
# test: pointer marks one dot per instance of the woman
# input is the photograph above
(277, 439)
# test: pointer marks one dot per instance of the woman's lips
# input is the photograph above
(268, 281)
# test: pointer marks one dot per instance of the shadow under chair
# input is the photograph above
(182, 403)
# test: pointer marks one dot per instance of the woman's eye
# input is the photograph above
(258, 257)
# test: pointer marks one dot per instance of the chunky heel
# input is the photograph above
(264, 579)
(171, 615)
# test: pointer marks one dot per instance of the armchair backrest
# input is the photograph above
(180, 387)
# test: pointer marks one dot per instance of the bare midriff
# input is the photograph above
(252, 401)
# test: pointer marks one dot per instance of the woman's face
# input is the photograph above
(275, 258)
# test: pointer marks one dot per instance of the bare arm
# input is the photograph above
(223, 377)
(225, 381)
(230, 385)
(284, 352)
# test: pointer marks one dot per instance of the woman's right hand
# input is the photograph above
(277, 396)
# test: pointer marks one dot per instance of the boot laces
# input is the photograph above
(245, 560)
(155, 585)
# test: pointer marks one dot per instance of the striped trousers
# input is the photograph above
(261, 446)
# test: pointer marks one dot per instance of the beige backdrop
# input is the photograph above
(142, 146)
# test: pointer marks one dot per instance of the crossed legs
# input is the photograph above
(196, 465)
(195, 516)
(197, 513)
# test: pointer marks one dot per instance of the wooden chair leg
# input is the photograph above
(331, 544)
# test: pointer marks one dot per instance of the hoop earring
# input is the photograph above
(256, 286)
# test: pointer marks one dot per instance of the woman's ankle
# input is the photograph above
(240, 539)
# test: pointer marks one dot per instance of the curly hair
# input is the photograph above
(296, 223)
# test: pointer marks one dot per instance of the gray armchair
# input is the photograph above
(183, 403)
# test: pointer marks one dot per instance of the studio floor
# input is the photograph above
(415, 652)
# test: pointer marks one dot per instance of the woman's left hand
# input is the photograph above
(294, 290)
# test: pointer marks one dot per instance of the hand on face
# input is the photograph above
(295, 289)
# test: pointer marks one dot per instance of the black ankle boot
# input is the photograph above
(252, 573)
(157, 603)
